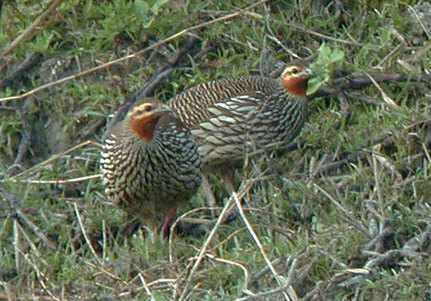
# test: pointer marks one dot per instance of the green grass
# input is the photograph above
(316, 228)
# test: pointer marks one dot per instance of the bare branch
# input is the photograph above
(136, 54)
(28, 33)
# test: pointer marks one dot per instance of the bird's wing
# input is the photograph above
(194, 105)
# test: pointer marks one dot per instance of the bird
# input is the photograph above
(150, 162)
(228, 117)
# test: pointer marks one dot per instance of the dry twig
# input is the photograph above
(52, 245)
(87, 239)
(281, 282)
(56, 157)
(27, 64)
(136, 54)
(357, 81)
(205, 245)
(29, 31)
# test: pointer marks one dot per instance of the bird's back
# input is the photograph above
(192, 104)
(229, 117)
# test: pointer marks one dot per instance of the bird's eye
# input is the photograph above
(294, 71)
(148, 108)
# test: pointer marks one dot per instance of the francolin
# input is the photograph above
(229, 117)
(150, 163)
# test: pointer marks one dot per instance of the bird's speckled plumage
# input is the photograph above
(148, 176)
(227, 117)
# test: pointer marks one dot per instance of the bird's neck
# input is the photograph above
(144, 127)
(295, 85)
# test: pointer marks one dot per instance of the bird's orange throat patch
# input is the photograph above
(295, 85)
(144, 126)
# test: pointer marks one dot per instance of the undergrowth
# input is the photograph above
(345, 215)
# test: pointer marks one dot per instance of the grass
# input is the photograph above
(356, 231)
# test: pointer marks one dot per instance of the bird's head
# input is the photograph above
(143, 118)
(295, 79)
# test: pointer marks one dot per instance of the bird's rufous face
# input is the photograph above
(143, 119)
(294, 79)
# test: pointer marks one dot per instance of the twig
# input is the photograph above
(178, 221)
(262, 295)
(365, 98)
(377, 179)
(349, 216)
(390, 55)
(246, 274)
(204, 247)
(40, 275)
(25, 141)
(92, 128)
(16, 246)
(165, 70)
(376, 243)
(24, 144)
(227, 239)
(108, 273)
(33, 246)
(386, 98)
(153, 82)
(277, 277)
(390, 257)
(315, 291)
(104, 239)
(136, 54)
(357, 81)
(278, 42)
(87, 239)
(424, 28)
(417, 243)
(52, 245)
(258, 275)
(58, 182)
(55, 157)
(354, 157)
(294, 26)
(426, 152)
(29, 31)
(28, 63)
(144, 284)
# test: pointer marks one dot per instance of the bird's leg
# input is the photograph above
(227, 177)
(228, 180)
(167, 222)
(209, 195)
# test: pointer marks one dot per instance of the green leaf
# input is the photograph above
(323, 67)
(324, 51)
(313, 85)
(337, 55)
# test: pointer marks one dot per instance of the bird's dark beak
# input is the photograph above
(307, 73)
